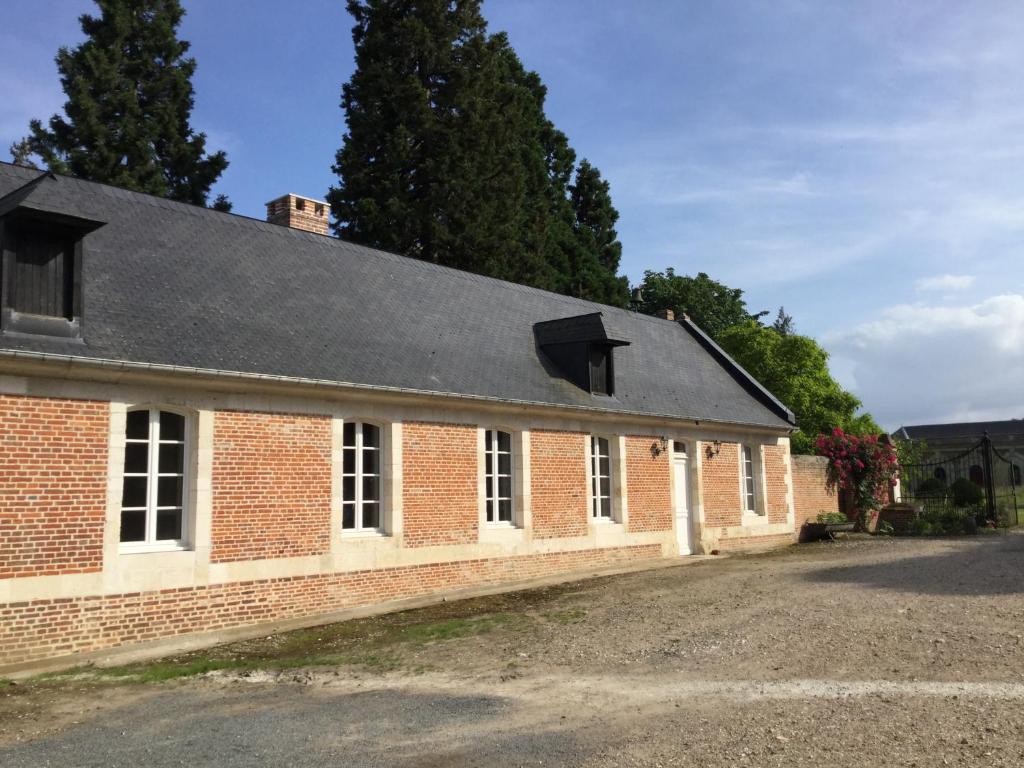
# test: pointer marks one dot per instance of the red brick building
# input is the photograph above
(212, 423)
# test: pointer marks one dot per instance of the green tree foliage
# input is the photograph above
(794, 368)
(783, 322)
(449, 157)
(600, 250)
(21, 153)
(129, 100)
(714, 307)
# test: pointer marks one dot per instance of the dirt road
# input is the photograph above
(893, 652)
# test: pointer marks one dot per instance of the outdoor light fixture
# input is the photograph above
(659, 447)
(714, 448)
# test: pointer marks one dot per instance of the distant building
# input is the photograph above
(946, 442)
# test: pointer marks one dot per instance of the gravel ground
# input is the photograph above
(861, 652)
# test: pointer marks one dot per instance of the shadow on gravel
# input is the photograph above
(248, 725)
(971, 566)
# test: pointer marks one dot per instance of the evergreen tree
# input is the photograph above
(129, 100)
(21, 153)
(594, 224)
(783, 323)
(449, 156)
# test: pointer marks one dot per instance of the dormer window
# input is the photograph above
(581, 349)
(39, 280)
(601, 369)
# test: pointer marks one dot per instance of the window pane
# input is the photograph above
(678, 446)
(168, 492)
(505, 487)
(172, 426)
(606, 484)
(371, 436)
(490, 511)
(168, 524)
(489, 462)
(371, 515)
(490, 486)
(371, 462)
(348, 465)
(348, 433)
(138, 425)
(348, 516)
(172, 457)
(134, 493)
(504, 442)
(605, 467)
(599, 370)
(505, 463)
(606, 507)
(505, 510)
(136, 457)
(371, 489)
(348, 488)
(133, 525)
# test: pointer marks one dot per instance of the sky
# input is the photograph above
(861, 164)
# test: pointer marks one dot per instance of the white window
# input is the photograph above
(498, 475)
(153, 488)
(601, 479)
(360, 477)
(749, 486)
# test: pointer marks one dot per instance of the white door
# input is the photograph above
(684, 533)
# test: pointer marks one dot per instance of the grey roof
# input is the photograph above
(971, 430)
(166, 283)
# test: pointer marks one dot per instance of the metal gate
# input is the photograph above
(980, 482)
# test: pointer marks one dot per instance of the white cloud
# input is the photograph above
(945, 283)
(922, 363)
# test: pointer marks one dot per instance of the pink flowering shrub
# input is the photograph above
(866, 467)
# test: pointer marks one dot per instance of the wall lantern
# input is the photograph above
(659, 447)
(713, 449)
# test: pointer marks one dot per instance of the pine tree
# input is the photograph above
(449, 156)
(21, 153)
(129, 100)
(783, 323)
(601, 251)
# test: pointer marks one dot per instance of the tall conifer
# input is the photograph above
(129, 100)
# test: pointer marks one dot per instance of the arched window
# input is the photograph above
(153, 488)
(678, 447)
(498, 475)
(940, 474)
(360, 477)
(976, 474)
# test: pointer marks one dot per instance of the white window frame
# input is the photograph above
(594, 476)
(494, 497)
(358, 475)
(152, 474)
(752, 480)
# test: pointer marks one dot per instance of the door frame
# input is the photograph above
(687, 489)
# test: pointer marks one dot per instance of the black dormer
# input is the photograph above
(40, 263)
(582, 349)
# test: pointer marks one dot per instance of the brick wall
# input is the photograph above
(53, 485)
(271, 485)
(558, 470)
(720, 476)
(648, 486)
(439, 479)
(810, 495)
(47, 628)
(774, 459)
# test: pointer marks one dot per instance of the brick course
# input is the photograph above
(53, 485)
(271, 486)
(439, 479)
(648, 486)
(720, 477)
(47, 628)
(775, 483)
(810, 496)
(558, 470)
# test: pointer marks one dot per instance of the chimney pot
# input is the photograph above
(297, 212)
(665, 314)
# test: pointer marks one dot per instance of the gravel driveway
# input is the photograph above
(865, 652)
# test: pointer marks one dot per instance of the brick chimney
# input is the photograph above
(299, 213)
(665, 314)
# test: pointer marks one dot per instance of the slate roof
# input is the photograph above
(165, 283)
(968, 430)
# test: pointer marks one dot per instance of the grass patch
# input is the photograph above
(567, 616)
(5, 683)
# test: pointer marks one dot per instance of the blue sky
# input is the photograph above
(859, 163)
